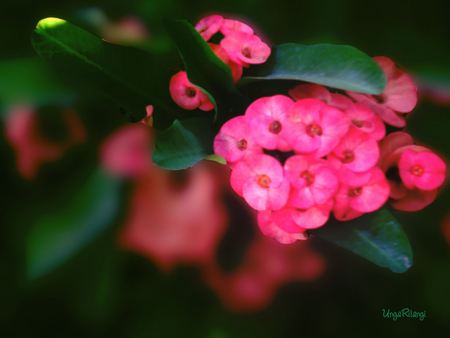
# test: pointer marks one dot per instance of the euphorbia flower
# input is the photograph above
(233, 142)
(266, 117)
(399, 96)
(423, 170)
(244, 48)
(209, 26)
(236, 70)
(260, 180)
(229, 25)
(315, 127)
(315, 91)
(126, 152)
(312, 180)
(186, 95)
(365, 120)
(353, 201)
(357, 151)
(270, 228)
(23, 133)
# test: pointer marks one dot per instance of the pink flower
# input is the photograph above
(244, 48)
(313, 182)
(236, 70)
(32, 148)
(365, 120)
(126, 152)
(234, 25)
(260, 180)
(315, 91)
(233, 142)
(423, 170)
(357, 151)
(186, 95)
(270, 228)
(148, 120)
(315, 127)
(353, 201)
(399, 96)
(209, 26)
(266, 118)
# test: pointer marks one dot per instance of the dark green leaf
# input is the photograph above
(183, 144)
(377, 237)
(337, 66)
(57, 237)
(205, 69)
(30, 81)
(131, 77)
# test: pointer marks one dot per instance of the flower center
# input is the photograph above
(300, 210)
(358, 123)
(246, 52)
(353, 192)
(242, 144)
(348, 156)
(275, 127)
(313, 129)
(191, 92)
(417, 170)
(264, 181)
(308, 176)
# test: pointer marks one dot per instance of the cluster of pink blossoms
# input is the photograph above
(239, 48)
(297, 159)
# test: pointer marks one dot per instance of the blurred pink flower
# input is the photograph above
(23, 133)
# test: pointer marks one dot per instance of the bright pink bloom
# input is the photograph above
(315, 91)
(315, 127)
(266, 118)
(423, 170)
(260, 180)
(365, 120)
(23, 133)
(244, 48)
(357, 151)
(186, 95)
(234, 25)
(233, 142)
(312, 180)
(270, 228)
(353, 201)
(175, 225)
(236, 70)
(399, 96)
(126, 152)
(209, 26)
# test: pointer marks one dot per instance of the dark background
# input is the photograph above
(104, 291)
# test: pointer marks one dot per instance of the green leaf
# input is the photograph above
(337, 66)
(205, 69)
(377, 237)
(30, 81)
(57, 237)
(183, 144)
(129, 76)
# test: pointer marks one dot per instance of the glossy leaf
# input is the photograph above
(59, 236)
(183, 144)
(130, 77)
(205, 69)
(336, 66)
(377, 237)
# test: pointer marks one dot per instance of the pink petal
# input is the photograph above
(301, 198)
(274, 106)
(234, 25)
(209, 26)
(314, 217)
(260, 131)
(240, 174)
(414, 200)
(271, 229)
(244, 48)
(365, 120)
(374, 194)
(306, 91)
(340, 101)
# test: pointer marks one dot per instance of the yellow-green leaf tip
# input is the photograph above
(50, 22)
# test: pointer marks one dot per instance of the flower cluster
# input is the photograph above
(238, 48)
(297, 159)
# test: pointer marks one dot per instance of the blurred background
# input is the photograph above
(95, 240)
